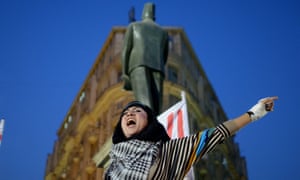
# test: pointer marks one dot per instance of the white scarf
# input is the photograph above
(132, 159)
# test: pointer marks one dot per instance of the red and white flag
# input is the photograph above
(175, 121)
(1, 129)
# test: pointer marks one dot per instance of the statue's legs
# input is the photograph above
(158, 80)
(147, 86)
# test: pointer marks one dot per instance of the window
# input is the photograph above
(172, 74)
(82, 96)
(171, 44)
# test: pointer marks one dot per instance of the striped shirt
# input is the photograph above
(178, 155)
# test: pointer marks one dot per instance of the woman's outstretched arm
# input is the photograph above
(259, 110)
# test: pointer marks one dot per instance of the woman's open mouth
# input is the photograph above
(131, 122)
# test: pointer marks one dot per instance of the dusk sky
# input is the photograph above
(248, 49)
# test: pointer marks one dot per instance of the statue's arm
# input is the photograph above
(125, 57)
(127, 47)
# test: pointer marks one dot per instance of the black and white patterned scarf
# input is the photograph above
(132, 159)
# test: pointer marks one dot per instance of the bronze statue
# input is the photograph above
(144, 55)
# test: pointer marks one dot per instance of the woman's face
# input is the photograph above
(133, 121)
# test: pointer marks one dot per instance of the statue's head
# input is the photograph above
(149, 11)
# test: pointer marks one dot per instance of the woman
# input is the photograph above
(142, 149)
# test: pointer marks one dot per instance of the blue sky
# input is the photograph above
(248, 49)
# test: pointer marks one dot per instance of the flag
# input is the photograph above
(175, 121)
(1, 129)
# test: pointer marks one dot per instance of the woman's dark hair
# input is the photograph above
(153, 132)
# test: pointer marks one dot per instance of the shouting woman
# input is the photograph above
(142, 149)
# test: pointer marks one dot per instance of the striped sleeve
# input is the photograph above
(213, 137)
(178, 155)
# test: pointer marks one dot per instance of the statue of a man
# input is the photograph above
(144, 55)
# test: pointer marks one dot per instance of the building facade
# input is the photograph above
(84, 138)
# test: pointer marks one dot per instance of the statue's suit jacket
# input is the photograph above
(145, 44)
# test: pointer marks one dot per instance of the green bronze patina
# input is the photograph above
(144, 56)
